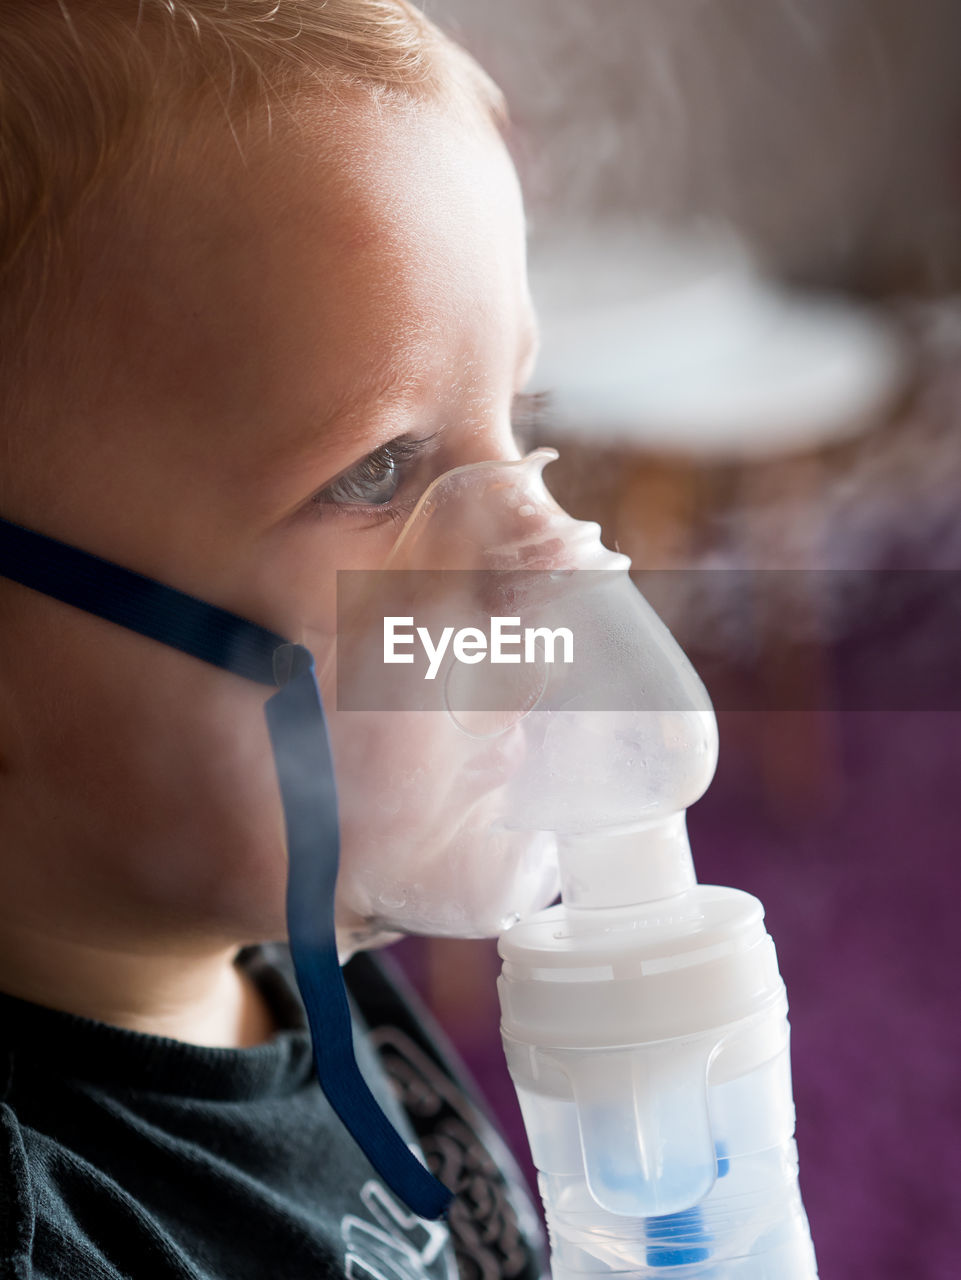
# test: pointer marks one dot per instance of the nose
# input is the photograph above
(498, 516)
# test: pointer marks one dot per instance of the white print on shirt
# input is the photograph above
(396, 1245)
(494, 1227)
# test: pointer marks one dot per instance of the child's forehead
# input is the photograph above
(382, 229)
(342, 273)
(339, 188)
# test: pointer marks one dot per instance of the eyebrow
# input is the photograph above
(338, 424)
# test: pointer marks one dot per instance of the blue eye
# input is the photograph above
(375, 480)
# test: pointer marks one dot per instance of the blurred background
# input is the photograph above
(746, 258)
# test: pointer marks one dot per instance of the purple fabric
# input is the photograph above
(862, 901)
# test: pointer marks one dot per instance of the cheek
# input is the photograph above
(423, 849)
(152, 776)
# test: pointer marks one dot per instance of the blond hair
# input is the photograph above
(88, 87)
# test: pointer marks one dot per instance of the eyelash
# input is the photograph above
(397, 456)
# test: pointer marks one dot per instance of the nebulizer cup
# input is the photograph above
(644, 1018)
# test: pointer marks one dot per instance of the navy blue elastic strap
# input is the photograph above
(301, 754)
(140, 604)
(305, 772)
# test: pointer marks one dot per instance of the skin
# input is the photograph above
(242, 337)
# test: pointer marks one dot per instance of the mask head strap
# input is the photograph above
(301, 747)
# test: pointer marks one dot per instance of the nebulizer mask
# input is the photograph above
(504, 712)
(498, 684)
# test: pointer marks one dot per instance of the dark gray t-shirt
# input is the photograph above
(132, 1157)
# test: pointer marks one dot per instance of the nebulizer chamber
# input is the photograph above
(643, 1017)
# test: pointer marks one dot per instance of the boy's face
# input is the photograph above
(246, 350)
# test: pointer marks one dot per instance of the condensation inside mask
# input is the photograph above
(499, 683)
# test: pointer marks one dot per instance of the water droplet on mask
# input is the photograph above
(393, 900)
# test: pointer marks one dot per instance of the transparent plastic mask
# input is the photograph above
(457, 774)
